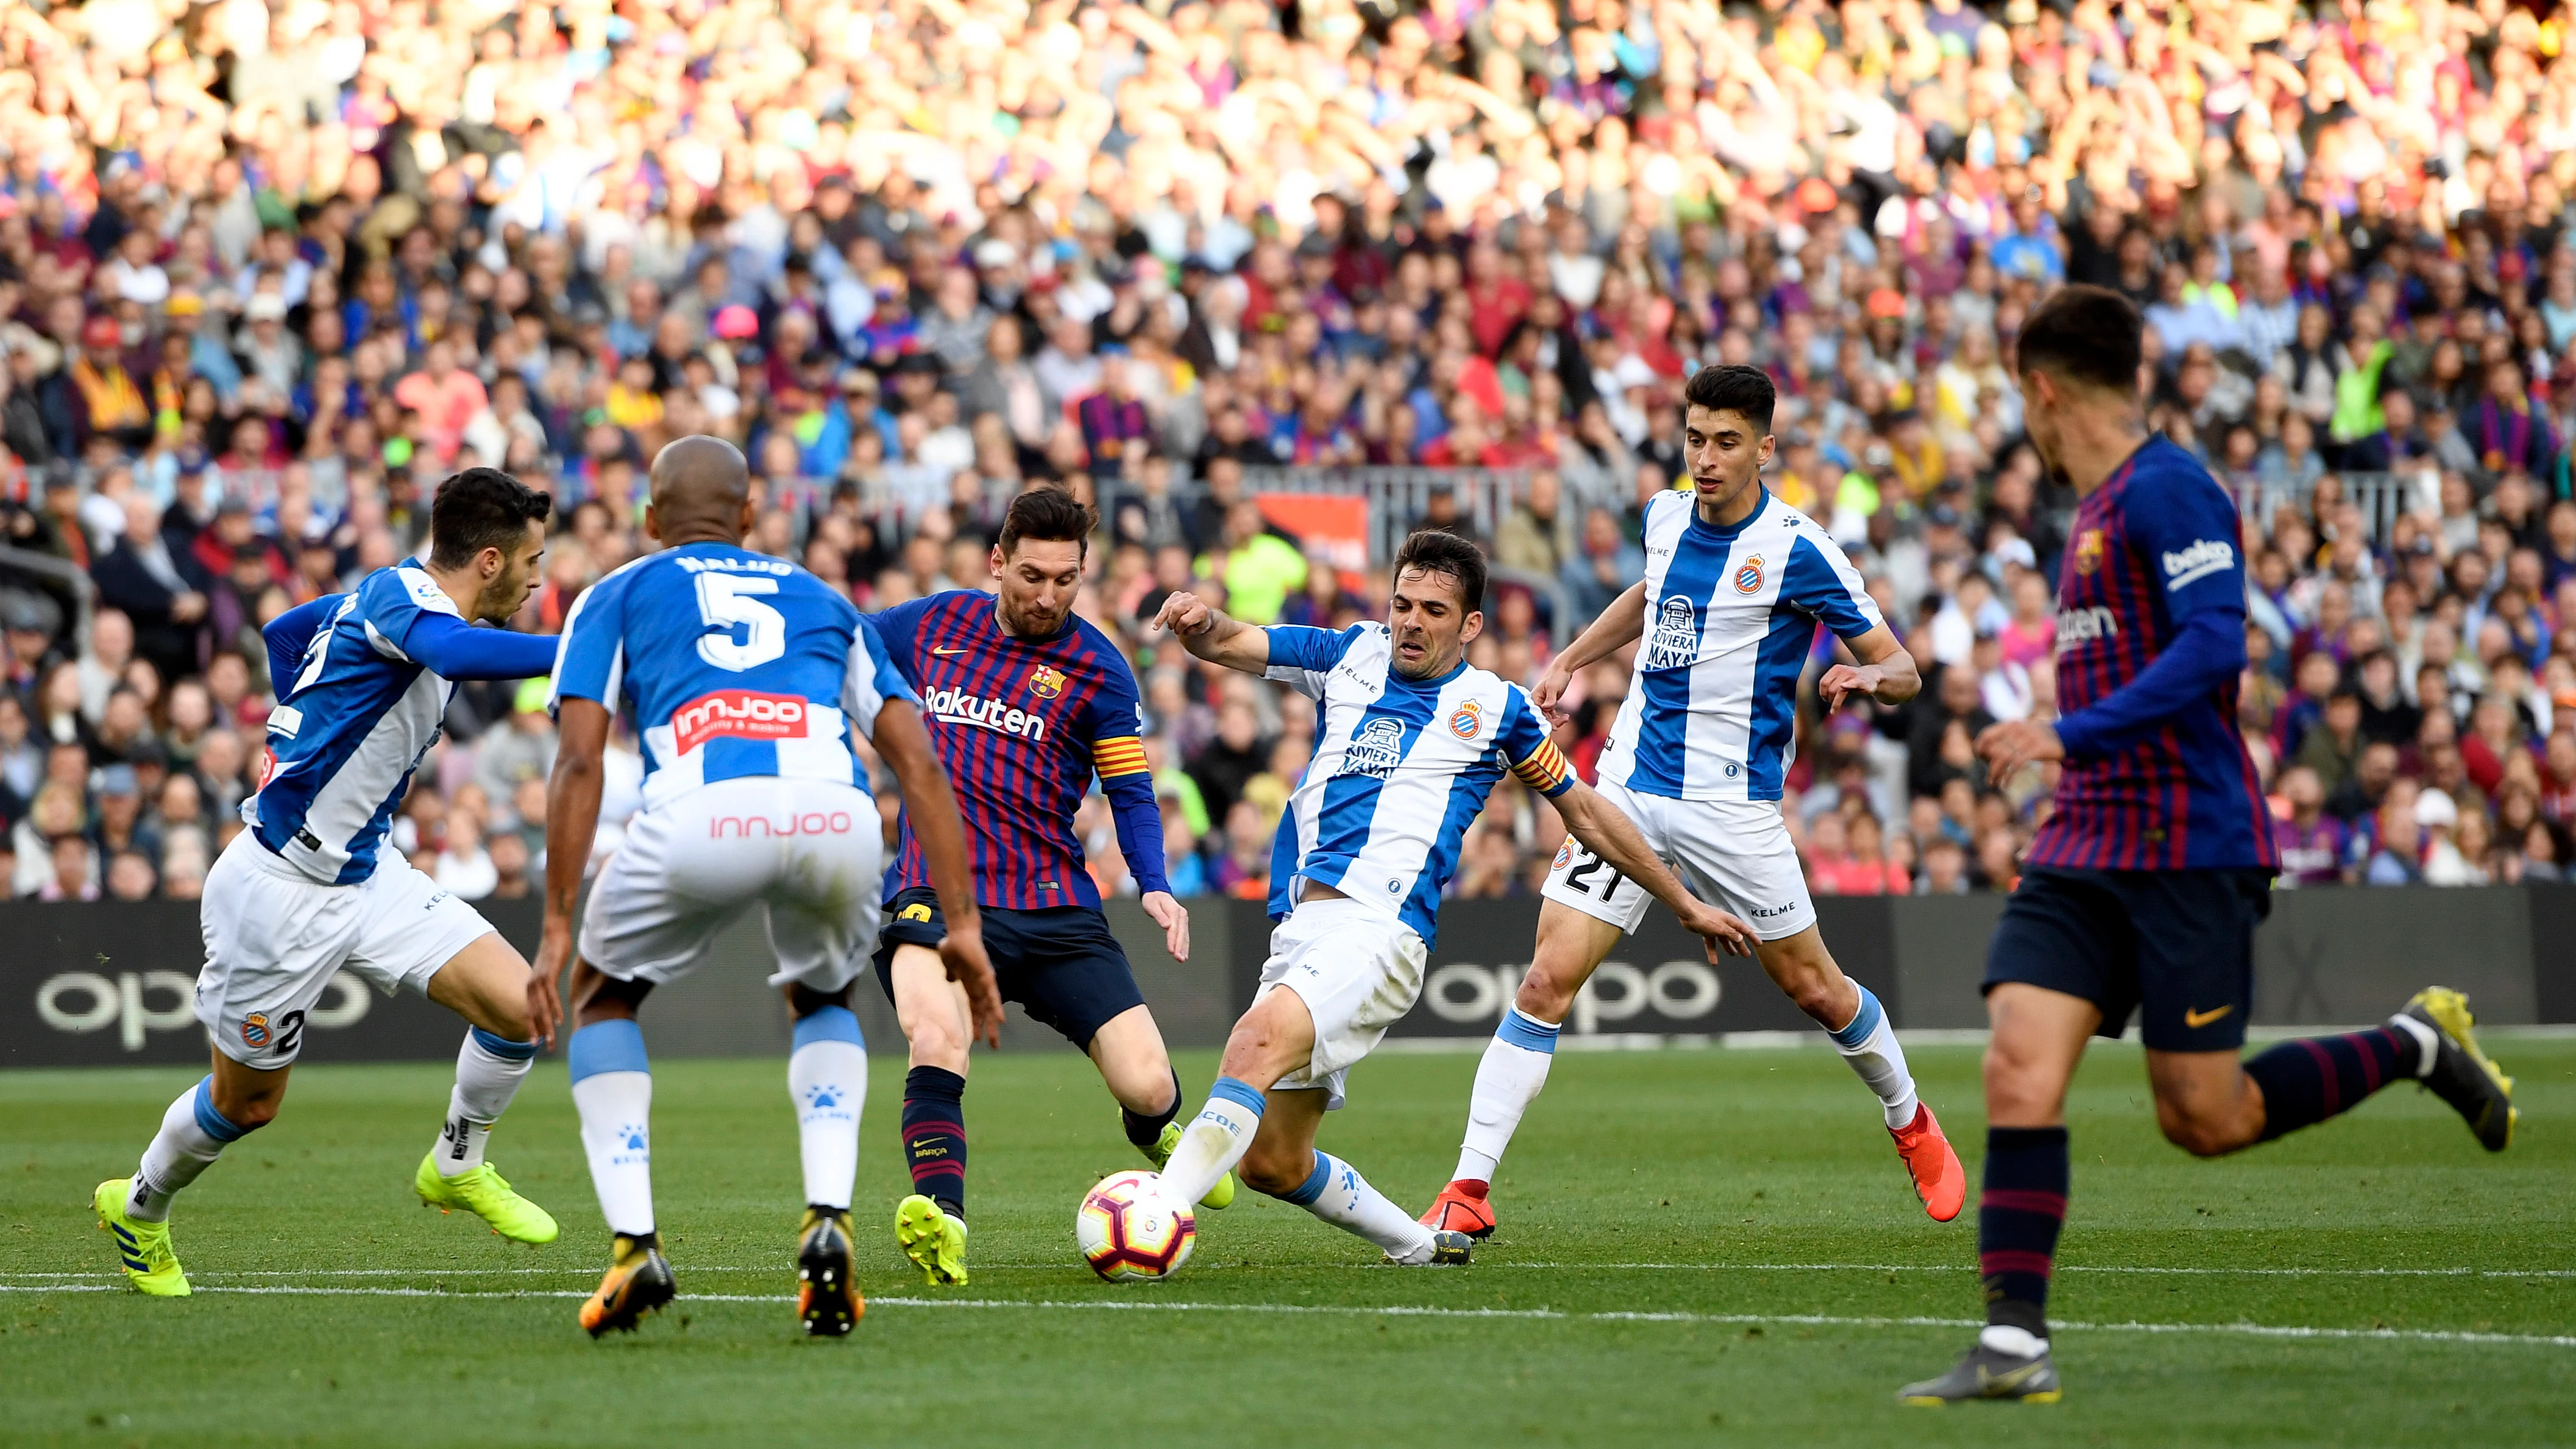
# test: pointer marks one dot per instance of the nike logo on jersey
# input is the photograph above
(2198, 1019)
(943, 653)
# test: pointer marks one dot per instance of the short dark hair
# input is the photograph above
(481, 508)
(2083, 334)
(1051, 515)
(1735, 388)
(1434, 551)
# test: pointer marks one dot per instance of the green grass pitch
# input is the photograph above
(1711, 1246)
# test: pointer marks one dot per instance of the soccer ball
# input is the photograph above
(1131, 1231)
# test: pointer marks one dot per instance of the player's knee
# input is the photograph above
(1274, 1171)
(2202, 1134)
(1545, 994)
(937, 1043)
(2018, 1093)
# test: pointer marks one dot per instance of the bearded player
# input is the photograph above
(1027, 704)
(2140, 893)
(1736, 583)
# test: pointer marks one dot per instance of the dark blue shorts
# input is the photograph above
(1060, 964)
(2174, 946)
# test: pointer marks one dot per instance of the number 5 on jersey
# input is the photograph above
(724, 601)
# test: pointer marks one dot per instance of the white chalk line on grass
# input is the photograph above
(1130, 1305)
(2117, 1269)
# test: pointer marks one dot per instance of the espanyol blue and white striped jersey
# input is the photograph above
(734, 663)
(1730, 615)
(1401, 766)
(349, 730)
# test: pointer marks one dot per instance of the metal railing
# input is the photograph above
(2381, 497)
(1398, 497)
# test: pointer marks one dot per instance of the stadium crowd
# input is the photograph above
(269, 271)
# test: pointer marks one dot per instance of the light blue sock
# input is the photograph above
(1869, 1043)
(612, 1085)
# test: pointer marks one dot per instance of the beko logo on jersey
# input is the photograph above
(740, 714)
(956, 706)
(2204, 557)
(779, 567)
(2084, 626)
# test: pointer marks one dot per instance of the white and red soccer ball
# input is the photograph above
(1132, 1231)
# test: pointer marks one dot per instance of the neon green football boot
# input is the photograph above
(1219, 1196)
(933, 1240)
(144, 1247)
(484, 1193)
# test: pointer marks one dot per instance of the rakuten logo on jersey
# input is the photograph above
(737, 714)
(2184, 567)
(956, 706)
(2084, 626)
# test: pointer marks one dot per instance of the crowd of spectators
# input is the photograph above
(269, 270)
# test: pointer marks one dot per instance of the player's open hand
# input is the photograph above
(1547, 695)
(1174, 918)
(1721, 929)
(962, 952)
(2007, 747)
(1845, 680)
(545, 993)
(1184, 614)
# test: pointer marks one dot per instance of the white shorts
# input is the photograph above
(809, 853)
(1357, 970)
(275, 936)
(1733, 854)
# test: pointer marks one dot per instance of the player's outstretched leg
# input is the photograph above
(1284, 1163)
(612, 1087)
(2432, 1041)
(930, 1225)
(1128, 1049)
(827, 1078)
(193, 1134)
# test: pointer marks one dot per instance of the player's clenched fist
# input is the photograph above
(1185, 614)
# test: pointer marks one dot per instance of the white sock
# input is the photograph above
(2428, 1046)
(489, 1070)
(827, 1078)
(1507, 1081)
(612, 1084)
(192, 1136)
(1869, 1044)
(1214, 1141)
(2019, 1342)
(1337, 1193)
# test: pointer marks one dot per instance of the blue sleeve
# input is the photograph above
(896, 628)
(1300, 656)
(290, 636)
(2187, 533)
(1820, 582)
(870, 680)
(453, 649)
(1139, 820)
(1114, 722)
(1528, 748)
(590, 663)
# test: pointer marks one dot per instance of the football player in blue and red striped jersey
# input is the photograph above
(2143, 887)
(1026, 706)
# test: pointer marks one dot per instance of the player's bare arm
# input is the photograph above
(1213, 636)
(905, 745)
(1619, 626)
(572, 823)
(1885, 673)
(1612, 836)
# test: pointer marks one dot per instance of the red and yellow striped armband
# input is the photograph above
(1546, 770)
(1119, 755)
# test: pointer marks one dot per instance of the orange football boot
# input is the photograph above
(1938, 1178)
(1462, 1207)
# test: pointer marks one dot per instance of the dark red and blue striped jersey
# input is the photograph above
(1022, 726)
(2150, 646)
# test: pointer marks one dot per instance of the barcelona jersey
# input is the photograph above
(1022, 726)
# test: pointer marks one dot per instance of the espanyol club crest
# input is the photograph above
(2088, 551)
(1046, 683)
(255, 1030)
(1748, 576)
(1469, 718)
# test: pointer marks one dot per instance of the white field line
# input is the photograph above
(1130, 1305)
(2115, 1269)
